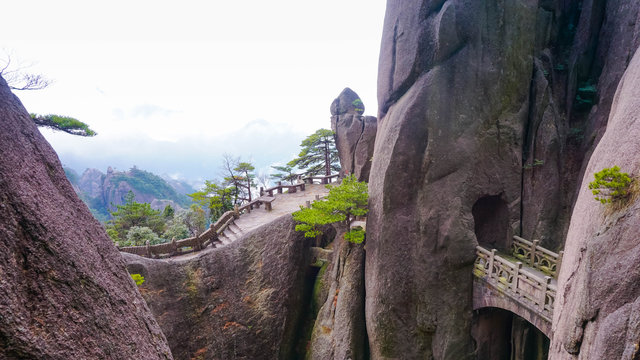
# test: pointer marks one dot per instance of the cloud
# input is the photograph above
(194, 158)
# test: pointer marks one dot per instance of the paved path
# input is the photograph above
(283, 204)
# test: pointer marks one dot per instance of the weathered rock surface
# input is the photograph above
(597, 315)
(91, 182)
(453, 94)
(355, 134)
(64, 290)
(481, 102)
(242, 301)
(348, 102)
(339, 331)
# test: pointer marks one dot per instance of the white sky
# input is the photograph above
(170, 86)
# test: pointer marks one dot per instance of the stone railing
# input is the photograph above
(188, 245)
(280, 187)
(528, 287)
(325, 179)
(536, 256)
(197, 243)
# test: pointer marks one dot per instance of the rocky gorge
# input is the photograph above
(493, 117)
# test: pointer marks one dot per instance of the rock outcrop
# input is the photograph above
(242, 301)
(339, 331)
(597, 315)
(64, 289)
(355, 134)
(487, 110)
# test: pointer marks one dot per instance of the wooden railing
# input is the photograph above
(536, 256)
(533, 290)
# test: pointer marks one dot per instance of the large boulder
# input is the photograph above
(355, 134)
(597, 310)
(242, 301)
(65, 292)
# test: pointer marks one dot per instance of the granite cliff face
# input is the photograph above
(487, 112)
(597, 315)
(243, 301)
(64, 289)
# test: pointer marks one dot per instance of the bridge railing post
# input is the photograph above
(532, 253)
(559, 262)
(491, 257)
(543, 296)
(516, 277)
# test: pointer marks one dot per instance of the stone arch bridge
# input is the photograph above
(523, 282)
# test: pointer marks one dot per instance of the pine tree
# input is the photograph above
(343, 203)
(318, 154)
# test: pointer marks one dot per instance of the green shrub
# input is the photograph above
(139, 279)
(610, 185)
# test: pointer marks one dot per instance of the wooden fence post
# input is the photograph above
(279, 187)
(317, 197)
(532, 253)
(543, 297)
(308, 203)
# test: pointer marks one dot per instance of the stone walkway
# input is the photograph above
(283, 204)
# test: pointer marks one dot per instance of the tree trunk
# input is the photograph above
(327, 164)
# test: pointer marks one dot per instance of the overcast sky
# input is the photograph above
(170, 86)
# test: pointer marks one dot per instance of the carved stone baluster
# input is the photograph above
(559, 262)
(174, 247)
(543, 297)
(491, 257)
(532, 254)
(516, 277)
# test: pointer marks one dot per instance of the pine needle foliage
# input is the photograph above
(63, 123)
(343, 203)
(610, 185)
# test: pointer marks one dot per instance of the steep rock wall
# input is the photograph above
(596, 314)
(339, 329)
(452, 111)
(479, 100)
(64, 290)
(243, 301)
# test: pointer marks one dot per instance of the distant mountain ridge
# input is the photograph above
(103, 192)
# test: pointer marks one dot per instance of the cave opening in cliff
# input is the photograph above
(501, 335)
(491, 222)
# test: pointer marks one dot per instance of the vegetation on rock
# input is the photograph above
(610, 185)
(139, 279)
(343, 203)
(134, 214)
